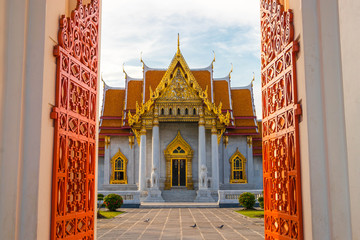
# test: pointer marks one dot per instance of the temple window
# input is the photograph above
(194, 111)
(186, 111)
(238, 167)
(162, 111)
(118, 169)
(178, 112)
(170, 111)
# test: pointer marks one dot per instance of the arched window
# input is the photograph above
(170, 111)
(194, 111)
(179, 112)
(186, 111)
(238, 168)
(118, 169)
(162, 111)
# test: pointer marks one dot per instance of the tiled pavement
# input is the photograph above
(174, 223)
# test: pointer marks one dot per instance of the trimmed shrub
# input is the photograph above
(261, 202)
(247, 200)
(113, 201)
(100, 197)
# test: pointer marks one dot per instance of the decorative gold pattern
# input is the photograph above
(238, 167)
(225, 141)
(249, 141)
(131, 141)
(107, 141)
(118, 169)
(178, 84)
(187, 154)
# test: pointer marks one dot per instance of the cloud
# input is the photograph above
(229, 27)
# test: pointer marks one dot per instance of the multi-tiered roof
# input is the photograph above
(234, 105)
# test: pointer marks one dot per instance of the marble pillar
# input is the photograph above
(107, 159)
(142, 159)
(203, 194)
(250, 161)
(214, 158)
(154, 194)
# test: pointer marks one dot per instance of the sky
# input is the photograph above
(230, 28)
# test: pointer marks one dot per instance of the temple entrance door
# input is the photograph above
(178, 172)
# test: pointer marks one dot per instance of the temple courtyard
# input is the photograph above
(176, 223)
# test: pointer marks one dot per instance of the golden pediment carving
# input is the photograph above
(182, 86)
(178, 90)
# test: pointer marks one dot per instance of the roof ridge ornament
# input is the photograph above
(212, 63)
(232, 68)
(178, 45)
(124, 71)
(253, 80)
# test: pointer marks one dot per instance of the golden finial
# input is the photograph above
(252, 81)
(178, 46)
(212, 63)
(232, 68)
(102, 78)
(124, 70)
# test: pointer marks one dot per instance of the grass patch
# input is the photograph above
(109, 214)
(252, 213)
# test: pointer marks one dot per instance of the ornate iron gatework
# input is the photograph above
(73, 184)
(281, 158)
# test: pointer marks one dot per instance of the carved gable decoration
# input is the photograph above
(178, 66)
(178, 90)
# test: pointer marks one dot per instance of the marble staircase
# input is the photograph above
(179, 195)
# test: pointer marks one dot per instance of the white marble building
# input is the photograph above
(191, 139)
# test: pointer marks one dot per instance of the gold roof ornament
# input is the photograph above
(178, 66)
(178, 45)
(252, 81)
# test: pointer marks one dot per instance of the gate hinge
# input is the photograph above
(54, 113)
(297, 109)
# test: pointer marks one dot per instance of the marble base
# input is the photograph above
(204, 195)
(154, 195)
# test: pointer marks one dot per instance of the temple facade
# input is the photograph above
(178, 134)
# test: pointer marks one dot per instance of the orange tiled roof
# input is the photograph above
(243, 112)
(114, 106)
(203, 78)
(114, 102)
(152, 78)
(241, 101)
(221, 93)
(135, 90)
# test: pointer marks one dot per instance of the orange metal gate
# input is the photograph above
(73, 188)
(281, 158)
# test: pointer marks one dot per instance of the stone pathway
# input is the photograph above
(174, 223)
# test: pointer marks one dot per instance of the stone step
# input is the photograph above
(178, 205)
(179, 195)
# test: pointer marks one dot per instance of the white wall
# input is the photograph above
(349, 20)
(325, 76)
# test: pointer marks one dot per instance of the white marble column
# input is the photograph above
(107, 159)
(250, 161)
(203, 194)
(202, 157)
(154, 194)
(142, 159)
(214, 158)
(131, 163)
(155, 157)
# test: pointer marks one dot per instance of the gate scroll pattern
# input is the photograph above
(74, 114)
(281, 159)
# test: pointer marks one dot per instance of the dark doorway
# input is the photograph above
(178, 172)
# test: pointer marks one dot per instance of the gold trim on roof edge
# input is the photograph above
(165, 83)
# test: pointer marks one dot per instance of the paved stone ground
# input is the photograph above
(174, 223)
